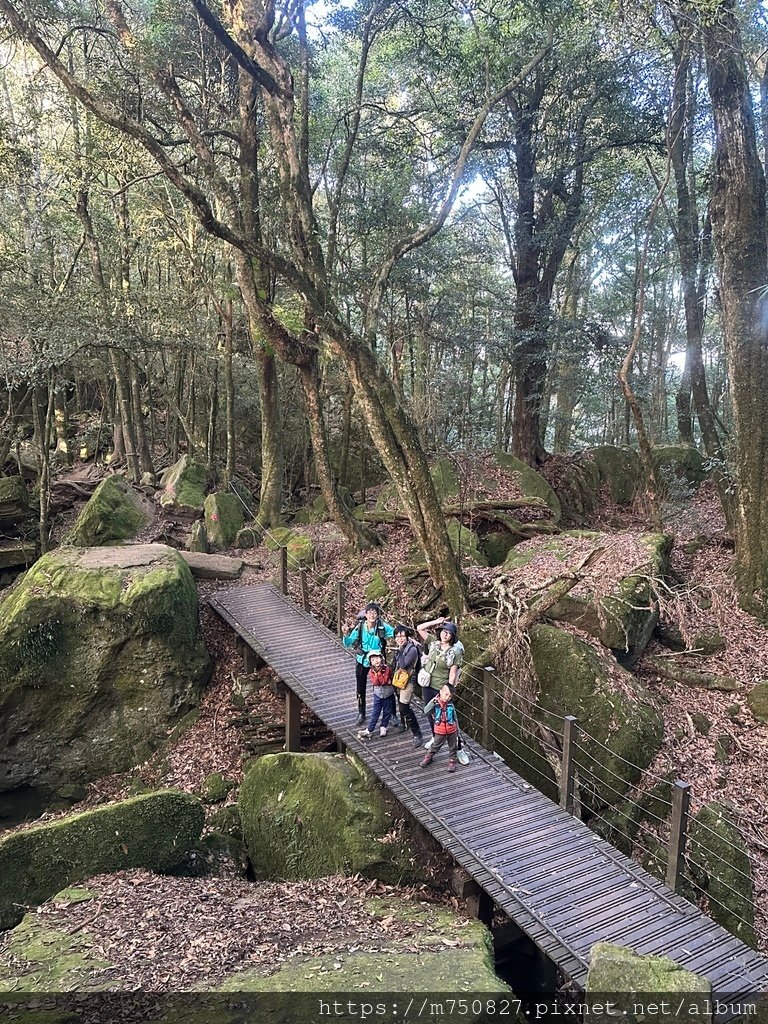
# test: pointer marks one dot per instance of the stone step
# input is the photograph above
(16, 552)
(212, 567)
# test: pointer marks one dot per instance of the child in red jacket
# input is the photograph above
(446, 727)
(380, 678)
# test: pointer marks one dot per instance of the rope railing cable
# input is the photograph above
(265, 529)
(646, 771)
(720, 838)
(584, 753)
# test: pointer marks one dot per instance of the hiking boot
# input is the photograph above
(451, 764)
(462, 756)
(360, 719)
(427, 760)
(364, 735)
(403, 727)
(417, 739)
(383, 731)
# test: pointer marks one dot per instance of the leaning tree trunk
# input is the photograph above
(739, 229)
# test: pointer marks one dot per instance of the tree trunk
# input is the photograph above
(739, 227)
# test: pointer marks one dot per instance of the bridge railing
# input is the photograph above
(642, 814)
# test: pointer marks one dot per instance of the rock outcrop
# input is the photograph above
(99, 657)
(113, 513)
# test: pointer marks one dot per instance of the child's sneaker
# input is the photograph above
(428, 744)
(364, 735)
(427, 760)
(451, 764)
(462, 756)
(383, 731)
(417, 739)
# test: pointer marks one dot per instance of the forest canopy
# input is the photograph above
(312, 242)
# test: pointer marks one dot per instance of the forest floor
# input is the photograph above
(222, 738)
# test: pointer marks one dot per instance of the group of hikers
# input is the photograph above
(433, 664)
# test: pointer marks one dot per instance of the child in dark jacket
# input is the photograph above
(446, 727)
(380, 678)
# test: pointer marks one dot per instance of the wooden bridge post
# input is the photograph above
(340, 603)
(284, 570)
(488, 673)
(568, 771)
(304, 589)
(292, 721)
(681, 800)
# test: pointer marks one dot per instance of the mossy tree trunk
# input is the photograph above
(738, 211)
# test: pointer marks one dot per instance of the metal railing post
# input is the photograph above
(284, 570)
(340, 602)
(488, 671)
(681, 801)
(304, 589)
(568, 772)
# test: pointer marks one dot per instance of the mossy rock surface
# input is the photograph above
(626, 730)
(757, 700)
(216, 788)
(622, 619)
(14, 499)
(153, 831)
(678, 462)
(311, 815)
(184, 485)
(620, 469)
(223, 519)
(466, 543)
(301, 549)
(625, 979)
(198, 538)
(377, 588)
(496, 545)
(113, 513)
(719, 866)
(100, 656)
(578, 489)
(531, 483)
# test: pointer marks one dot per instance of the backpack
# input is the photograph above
(445, 720)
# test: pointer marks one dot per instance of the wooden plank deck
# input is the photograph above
(565, 886)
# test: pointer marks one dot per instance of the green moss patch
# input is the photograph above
(99, 657)
(310, 815)
(620, 469)
(112, 513)
(465, 543)
(301, 549)
(154, 831)
(531, 483)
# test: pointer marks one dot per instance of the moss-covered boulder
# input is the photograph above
(578, 488)
(310, 815)
(223, 519)
(184, 485)
(301, 549)
(620, 469)
(377, 588)
(629, 980)
(718, 861)
(465, 543)
(615, 606)
(99, 657)
(757, 700)
(496, 545)
(153, 831)
(198, 538)
(678, 463)
(531, 483)
(625, 730)
(446, 955)
(112, 514)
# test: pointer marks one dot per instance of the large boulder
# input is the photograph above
(465, 543)
(620, 469)
(184, 485)
(614, 604)
(14, 500)
(112, 513)
(311, 815)
(154, 831)
(99, 657)
(530, 483)
(577, 487)
(678, 467)
(621, 730)
(300, 547)
(719, 867)
(639, 988)
(223, 519)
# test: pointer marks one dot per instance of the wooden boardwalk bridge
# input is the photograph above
(565, 886)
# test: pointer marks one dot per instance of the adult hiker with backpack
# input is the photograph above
(441, 667)
(405, 667)
(369, 633)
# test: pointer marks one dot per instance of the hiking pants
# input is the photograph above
(453, 743)
(361, 677)
(381, 706)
